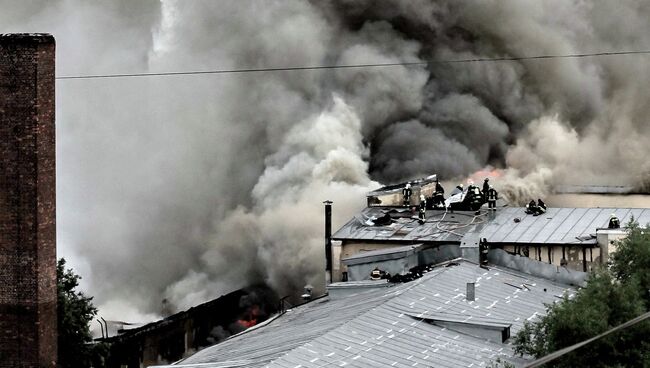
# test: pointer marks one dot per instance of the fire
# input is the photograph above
(247, 323)
(486, 172)
(249, 319)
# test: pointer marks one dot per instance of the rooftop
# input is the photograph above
(506, 225)
(396, 326)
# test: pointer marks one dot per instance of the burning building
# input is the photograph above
(480, 275)
(182, 334)
(569, 240)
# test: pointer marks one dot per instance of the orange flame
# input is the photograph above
(250, 317)
(486, 172)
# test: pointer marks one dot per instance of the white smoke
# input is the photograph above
(188, 187)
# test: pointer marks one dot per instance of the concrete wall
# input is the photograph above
(607, 241)
(426, 255)
(401, 266)
(530, 266)
(553, 254)
(352, 248)
(27, 202)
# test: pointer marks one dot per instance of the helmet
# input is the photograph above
(487, 179)
(408, 185)
(422, 197)
(612, 215)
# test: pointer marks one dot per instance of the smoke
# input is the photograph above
(188, 187)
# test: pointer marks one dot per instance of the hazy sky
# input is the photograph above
(187, 187)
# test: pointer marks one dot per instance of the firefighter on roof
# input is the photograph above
(614, 223)
(492, 195)
(423, 208)
(377, 274)
(406, 193)
(486, 188)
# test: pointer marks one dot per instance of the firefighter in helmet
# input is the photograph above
(614, 223)
(492, 195)
(406, 193)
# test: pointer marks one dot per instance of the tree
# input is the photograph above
(75, 311)
(631, 261)
(611, 296)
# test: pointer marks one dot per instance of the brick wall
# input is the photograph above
(27, 202)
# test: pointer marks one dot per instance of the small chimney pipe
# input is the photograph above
(328, 239)
(105, 326)
(470, 295)
(102, 327)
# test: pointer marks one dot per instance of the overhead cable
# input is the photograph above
(352, 66)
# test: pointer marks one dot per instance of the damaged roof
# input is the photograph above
(395, 326)
(440, 226)
(506, 225)
(397, 188)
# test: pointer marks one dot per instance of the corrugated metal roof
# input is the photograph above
(389, 328)
(556, 226)
(440, 226)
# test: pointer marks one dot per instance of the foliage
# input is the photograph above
(500, 364)
(75, 311)
(610, 297)
(631, 261)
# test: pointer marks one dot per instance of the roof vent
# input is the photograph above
(470, 292)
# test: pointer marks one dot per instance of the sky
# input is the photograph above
(187, 187)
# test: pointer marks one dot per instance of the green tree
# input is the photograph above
(631, 261)
(75, 311)
(611, 296)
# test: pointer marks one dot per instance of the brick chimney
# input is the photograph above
(28, 329)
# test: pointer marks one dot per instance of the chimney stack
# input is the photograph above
(28, 328)
(328, 241)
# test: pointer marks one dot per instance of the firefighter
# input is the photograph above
(406, 192)
(460, 187)
(614, 223)
(475, 198)
(492, 195)
(541, 206)
(423, 208)
(486, 189)
(375, 274)
(439, 188)
(439, 196)
(531, 207)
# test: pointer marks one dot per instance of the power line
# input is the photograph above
(353, 66)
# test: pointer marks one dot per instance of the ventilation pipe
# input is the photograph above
(328, 241)
(470, 294)
(102, 327)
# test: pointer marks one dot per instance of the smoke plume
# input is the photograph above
(188, 187)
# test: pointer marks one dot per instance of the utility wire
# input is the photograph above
(559, 353)
(354, 66)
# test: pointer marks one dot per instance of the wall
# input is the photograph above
(362, 271)
(606, 241)
(533, 267)
(27, 202)
(427, 254)
(553, 254)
